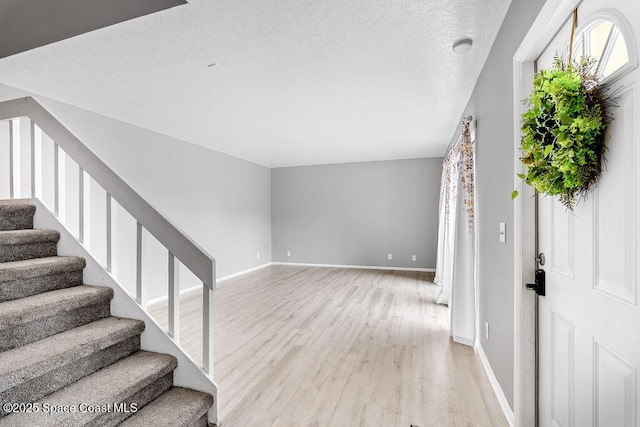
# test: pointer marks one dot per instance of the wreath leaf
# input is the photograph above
(563, 131)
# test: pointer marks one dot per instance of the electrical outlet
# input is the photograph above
(258, 256)
(389, 257)
(486, 330)
(288, 253)
(414, 258)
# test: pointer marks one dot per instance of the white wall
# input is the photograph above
(222, 202)
(357, 213)
(492, 105)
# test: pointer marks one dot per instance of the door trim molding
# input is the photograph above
(552, 16)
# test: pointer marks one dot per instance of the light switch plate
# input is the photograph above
(503, 232)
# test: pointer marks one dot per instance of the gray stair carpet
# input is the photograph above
(16, 245)
(16, 215)
(61, 348)
(170, 410)
(19, 279)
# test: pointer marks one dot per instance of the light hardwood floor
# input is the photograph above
(304, 346)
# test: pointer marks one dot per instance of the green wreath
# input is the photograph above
(563, 132)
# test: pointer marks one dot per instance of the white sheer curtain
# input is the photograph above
(455, 266)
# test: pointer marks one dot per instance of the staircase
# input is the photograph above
(63, 356)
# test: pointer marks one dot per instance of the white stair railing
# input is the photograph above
(180, 248)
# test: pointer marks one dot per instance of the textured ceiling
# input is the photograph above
(294, 82)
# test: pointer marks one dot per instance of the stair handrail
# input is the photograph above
(179, 245)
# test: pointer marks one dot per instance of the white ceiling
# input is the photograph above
(295, 82)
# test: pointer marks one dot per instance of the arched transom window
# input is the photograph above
(604, 41)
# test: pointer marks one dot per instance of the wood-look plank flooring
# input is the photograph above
(308, 346)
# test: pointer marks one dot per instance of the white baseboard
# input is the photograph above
(241, 273)
(220, 281)
(158, 300)
(199, 287)
(363, 267)
(495, 385)
(465, 341)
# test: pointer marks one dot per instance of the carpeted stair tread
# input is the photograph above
(130, 380)
(20, 279)
(48, 304)
(32, 318)
(24, 237)
(176, 407)
(61, 348)
(28, 268)
(35, 370)
(17, 245)
(37, 358)
(16, 215)
(13, 205)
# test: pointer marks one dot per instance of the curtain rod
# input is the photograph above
(466, 119)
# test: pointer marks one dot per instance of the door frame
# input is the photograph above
(551, 18)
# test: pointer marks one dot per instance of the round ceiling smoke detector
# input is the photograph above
(462, 46)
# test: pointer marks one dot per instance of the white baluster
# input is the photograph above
(56, 180)
(24, 152)
(140, 294)
(80, 204)
(207, 330)
(32, 154)
(108, 232)
(11, 165)
(174, 298)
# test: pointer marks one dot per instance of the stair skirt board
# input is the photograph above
(59, 344)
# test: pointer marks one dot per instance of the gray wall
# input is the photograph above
(357, 213)
(222, 202)
(492, 105)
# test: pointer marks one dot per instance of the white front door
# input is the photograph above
(589, 320)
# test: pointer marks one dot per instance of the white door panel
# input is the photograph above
(562, 371)
(614, 390)
(615, 207)
(589, 320)
(562, 245)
